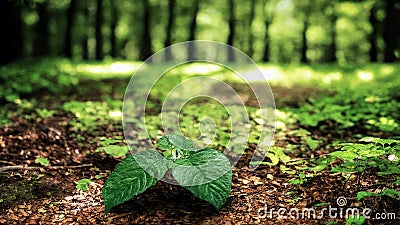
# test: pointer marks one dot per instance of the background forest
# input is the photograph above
(280, 31)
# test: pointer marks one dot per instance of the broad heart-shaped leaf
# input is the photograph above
(207, 174)
(181, 142)
(130, 179)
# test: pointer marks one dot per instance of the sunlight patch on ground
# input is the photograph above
(365, 75)
(198, 68)
(102, 70)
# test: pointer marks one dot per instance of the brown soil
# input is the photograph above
(47, 195)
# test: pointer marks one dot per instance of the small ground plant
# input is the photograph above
(204, 172)
(374, 155)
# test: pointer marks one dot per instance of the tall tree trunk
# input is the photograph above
(373, 51)
(98, 26)
(232, 31)
(304, 44)
(250, 39)
(170, 25)
(11, 31)
(85, 39)
(391, 32)
(267, 23)
(113, 27)
(145, 40)
(70, 23)
(41, 40)
(331, 54)
(192, 31)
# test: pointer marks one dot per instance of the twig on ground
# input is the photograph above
(20, 167)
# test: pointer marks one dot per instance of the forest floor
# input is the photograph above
(37, 194)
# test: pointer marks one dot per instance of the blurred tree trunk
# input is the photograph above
(170, 25)
(232, 31)
(391, 30)
(11, 33)
(331, 54)
(41, 40)
(192, 31)
(304, 44)
(70, 22)
(113, 27)
(268, 17)
(145, 39)
(98, 26)
(85, 39)
(373, 51)
(267, 47)
(250, 40)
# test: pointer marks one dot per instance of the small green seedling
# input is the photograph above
(206, 173)
(42, 161)
(355, 220)
(83, 184)
(302, 178)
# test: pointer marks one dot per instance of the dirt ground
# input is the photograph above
(47, 195)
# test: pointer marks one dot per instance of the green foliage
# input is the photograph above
(370, 110)
(355, 220)
(46, 76)
(83, 184)
(114, 150)
(45, 113)
(276, 155)
(302, 178)
(382, 155)
(90, 115)
(204, 172)
(306, 138)
(386, 192)
(42, 161)
(109, 147)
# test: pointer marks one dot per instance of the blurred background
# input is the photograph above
(278, 31)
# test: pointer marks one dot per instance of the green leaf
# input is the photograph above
(368, 139)
(115, 150)
(364, 194)
(181, 142)
(164, 144)
(346, 155)
(313, 144)
(83, 184)
(11, 97)
(42, 161)
(207, 174)
(296, 181)
(130, 179)
(300, 132)
(321, 204)
(391, 193)
(152, 162)
(355, 220)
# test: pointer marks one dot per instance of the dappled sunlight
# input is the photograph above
(329, 78)
(123, 67)
(199, 68)
(115, 114)
(386, 70)
(102, 70)
(365, 75)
